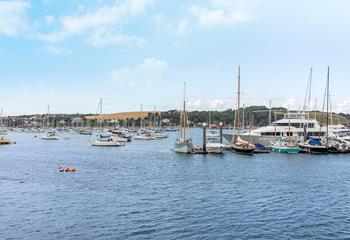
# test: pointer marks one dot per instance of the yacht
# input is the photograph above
(50, 135)
(160, 134)
(144, 134)
(299, 125)
(213, 134)
(214, 145)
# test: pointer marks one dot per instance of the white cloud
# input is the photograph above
(103, 37)
(13, 17)
(222, 12)
(101, 26)
(150, 70)
(210, 104)
(343, 107)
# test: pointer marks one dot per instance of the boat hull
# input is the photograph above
(241, 150)
(106, 144)
(50, 138)
(183, 148)
(313, 149)
(285, 150)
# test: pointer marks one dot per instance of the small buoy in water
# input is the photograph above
(67, 169)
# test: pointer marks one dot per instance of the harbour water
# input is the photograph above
(146, 191)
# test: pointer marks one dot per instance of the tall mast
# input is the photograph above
(154, 117)
(270, 112)
(141, 117)
(48, 116)
(2, 117)
(243, 116)
(184, 112)
(309, 100)
(238, 98)
(327, 104)
(101, 113)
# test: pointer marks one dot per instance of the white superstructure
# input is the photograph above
(297, 125)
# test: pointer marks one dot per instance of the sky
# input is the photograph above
(70, 53)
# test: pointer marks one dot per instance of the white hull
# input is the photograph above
(106, 144)
(119, 139)
(144, 138)
(160, 136)
(50, 138)
(183, 147)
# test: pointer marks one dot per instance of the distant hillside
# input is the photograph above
(255, 116)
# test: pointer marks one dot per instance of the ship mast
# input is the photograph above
(327, 105)
(238, 99)
(184, 112)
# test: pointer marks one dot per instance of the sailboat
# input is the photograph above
(144, 134)
(103, 139)
(316, 145)
(50, 134)
(184, 143)
(238, 145)
(158, 131)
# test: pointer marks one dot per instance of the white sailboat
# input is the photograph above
(144, 134)
(102, 139)
(184, 143)
(50, 134)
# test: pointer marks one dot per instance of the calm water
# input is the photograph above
(145, 191)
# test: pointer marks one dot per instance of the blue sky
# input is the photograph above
(69, 53)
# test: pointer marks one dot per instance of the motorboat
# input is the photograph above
(144, 134)
(213, 134)
(314, 146)
(213, 145)
(160, 134)
(121, 135)
(105, 140)
(283, 145)
(50, 135)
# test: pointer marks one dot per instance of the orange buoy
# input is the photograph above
(73, 169)
(67, 169)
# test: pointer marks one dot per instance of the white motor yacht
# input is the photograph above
(50, 135)
(105, 140)
(294, 124)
